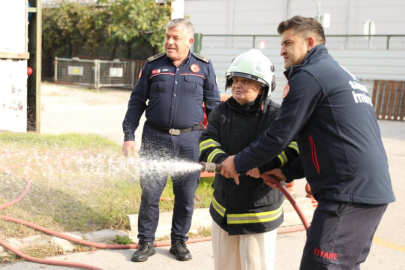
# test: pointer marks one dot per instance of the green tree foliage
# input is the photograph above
(139, 19)
(92, 27)
(72, 25)
(120, 25)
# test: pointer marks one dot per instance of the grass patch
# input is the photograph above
(42, 252)
(203, 232)
(44, 141)
(122, 240)
(79, 183)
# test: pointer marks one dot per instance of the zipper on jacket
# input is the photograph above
(314, 156)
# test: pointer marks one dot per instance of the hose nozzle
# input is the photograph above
(210, 167)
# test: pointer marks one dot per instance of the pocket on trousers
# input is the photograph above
(335, 208)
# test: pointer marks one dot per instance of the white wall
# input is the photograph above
(263, 16)
(13, 23)
(13, 72)
(366, 65)
(177, 9)
(13, 95)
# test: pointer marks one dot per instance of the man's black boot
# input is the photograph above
(145, 249)
(181, 251)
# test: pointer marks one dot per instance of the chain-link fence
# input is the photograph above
(97, 73)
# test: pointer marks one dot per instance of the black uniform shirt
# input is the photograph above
(175, 94)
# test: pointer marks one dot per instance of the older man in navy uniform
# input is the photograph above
(176, 83)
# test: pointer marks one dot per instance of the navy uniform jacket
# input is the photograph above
(175, 94)
(341, 152)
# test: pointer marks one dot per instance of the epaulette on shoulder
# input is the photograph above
(201, 57)
(157, 56)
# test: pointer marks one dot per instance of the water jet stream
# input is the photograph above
(163, 166)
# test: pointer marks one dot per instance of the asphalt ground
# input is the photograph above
(69, 109)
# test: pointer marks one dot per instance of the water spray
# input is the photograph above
(203, 166)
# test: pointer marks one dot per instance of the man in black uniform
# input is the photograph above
(341, 152)
(175, 84)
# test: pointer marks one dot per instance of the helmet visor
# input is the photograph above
(229, 76)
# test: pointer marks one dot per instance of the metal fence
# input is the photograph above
(389, 100)
(336, 42)
(97, 73)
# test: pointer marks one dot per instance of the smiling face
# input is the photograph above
(178, 43)
(245, 90)
(294, 48)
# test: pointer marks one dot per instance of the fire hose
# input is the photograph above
(210, 167)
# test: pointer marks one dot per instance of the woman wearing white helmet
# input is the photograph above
(245, 215)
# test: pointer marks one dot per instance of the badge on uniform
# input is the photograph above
(155, 71)
(195, 68)
(286, 90)
(140, 74)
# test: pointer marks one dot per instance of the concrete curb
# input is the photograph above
(201, 219)
(53, 241)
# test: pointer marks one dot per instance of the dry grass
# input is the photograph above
(79, 183)
(42, 252)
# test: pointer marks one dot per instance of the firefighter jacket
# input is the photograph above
(341, 151)
(252, 206)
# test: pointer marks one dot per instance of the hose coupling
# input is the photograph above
(210, 167)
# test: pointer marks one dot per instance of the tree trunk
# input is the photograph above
(114, 49)
(155, 50)
(74, 51)
(129, 50)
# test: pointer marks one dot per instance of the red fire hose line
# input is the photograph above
(43, 261)
(289, 197)
(19, 197)
(106, 246)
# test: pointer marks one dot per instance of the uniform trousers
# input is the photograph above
(340, 235)
(243, 252)
(161, 146)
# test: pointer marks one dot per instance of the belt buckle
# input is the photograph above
(174, 132)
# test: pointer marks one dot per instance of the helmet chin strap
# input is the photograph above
(264, 100)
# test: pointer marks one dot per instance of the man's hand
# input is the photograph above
(276, 174)
(228, 169)
(254, 173)
(127, 147)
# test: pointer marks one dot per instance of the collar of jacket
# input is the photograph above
(314, 53)
(247, 108)
(184, 61)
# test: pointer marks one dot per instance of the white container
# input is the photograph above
(13, 95)
(13, 66)
(13, 27)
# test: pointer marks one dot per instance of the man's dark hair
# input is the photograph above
(303, 25)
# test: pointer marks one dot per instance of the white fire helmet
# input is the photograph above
(256, 66)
